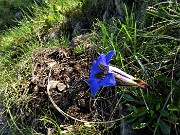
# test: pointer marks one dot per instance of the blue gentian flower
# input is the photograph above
(100, 75)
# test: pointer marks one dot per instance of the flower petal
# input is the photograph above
(109, 56)
(102, 60)
(95, 69)
(109, 80)
(94, 86)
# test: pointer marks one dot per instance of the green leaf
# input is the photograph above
(142, 111)
(151, 112)
(164, 127)
(128, 97)
(173, 108)
(155, 125)
(135, 109)
(130, 119)
(134, 115)
(127, 32)
(139, 125)
(158, 106)
(164, 113)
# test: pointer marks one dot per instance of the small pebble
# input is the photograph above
(61, 86)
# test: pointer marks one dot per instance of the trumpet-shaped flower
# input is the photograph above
(104, 75)
(99, 75)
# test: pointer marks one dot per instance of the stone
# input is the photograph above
(61, 86)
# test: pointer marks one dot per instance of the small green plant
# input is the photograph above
(79, 49)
